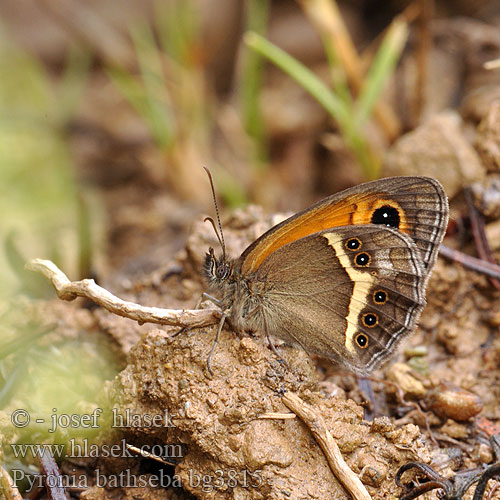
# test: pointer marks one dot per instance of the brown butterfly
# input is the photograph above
(344, 278)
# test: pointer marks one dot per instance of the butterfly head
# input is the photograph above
(217, 270)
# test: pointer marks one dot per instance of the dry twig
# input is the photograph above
(480, 239)
(493, 64)
(424, 46)
(8, 487)
(70, 290)
(148, 455)
(478, 265)
(317, 426)
(51, 477)
(277, 416)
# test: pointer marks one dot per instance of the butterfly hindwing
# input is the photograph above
(353, 291)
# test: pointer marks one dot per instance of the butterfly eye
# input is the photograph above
(353, 244)
(369, 320)
(222, 271)
(362, 340)
(379, 297)
(362, 259)
(386, 215)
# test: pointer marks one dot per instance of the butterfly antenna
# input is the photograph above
(219, 233)
(209, 219)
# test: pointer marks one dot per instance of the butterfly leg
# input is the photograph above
(278, 355)
(372, 409)
(273, 347)
(178, 332)
(219, 329)
(203, 296)
(211, 298)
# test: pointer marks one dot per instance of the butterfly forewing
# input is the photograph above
(417, 206)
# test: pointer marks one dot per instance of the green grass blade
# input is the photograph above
(73, 82)
(339, 109)
(151, 113)
(382, 67)
(302, 75)
(251, 81)
(179, 30)
(157, 103)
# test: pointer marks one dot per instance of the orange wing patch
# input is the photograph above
(354, 209)
(364, 210)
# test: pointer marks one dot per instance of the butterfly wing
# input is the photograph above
(417, 206)
(349, 293)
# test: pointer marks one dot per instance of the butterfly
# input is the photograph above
(344, 278)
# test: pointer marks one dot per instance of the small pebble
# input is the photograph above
(418, 350)
(449, 401)
(454, 429)
(372, 476)
(401, 374)
(419, 364)
(485, 454)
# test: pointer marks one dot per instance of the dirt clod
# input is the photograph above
(437, 148)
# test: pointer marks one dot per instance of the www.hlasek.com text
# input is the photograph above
(85, 449)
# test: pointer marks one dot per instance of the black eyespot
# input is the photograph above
(389, 216)
(379, 297)
(362, 259)
(370, 320)
(362, 340)
(353, 244)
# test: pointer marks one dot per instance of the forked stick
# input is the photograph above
(8, 487)
(70, 290)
